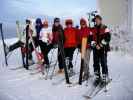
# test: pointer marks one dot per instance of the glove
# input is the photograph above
(104, 42)
(98, 47)
(55, 46)
(93, 44)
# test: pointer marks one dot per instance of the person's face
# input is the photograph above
(28, 22)
(57, 23)
(45, 26)
(98, 21)
(69, 25)
(83, 25)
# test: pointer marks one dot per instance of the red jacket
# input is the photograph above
(84, 32)
(70, 37)
(78, 36)
(55, 37)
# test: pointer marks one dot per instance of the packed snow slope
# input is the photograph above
(18, 84)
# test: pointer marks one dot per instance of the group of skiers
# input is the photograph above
(85, 38)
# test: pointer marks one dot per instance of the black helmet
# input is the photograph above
(56, 20)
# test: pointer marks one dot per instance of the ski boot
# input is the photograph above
(105, 79)
(6, 49)
(30, 62)
(97, 80)
(86, 76)
(71, 72)
(60, 71)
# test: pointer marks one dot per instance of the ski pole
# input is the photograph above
(2, 36)
(106, 71)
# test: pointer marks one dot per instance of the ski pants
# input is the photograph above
(15, 46)
(45, 50)
(21, 44)
(31, 48)
(69, 54)
(100, 60)
(87, 62)
(60, 60)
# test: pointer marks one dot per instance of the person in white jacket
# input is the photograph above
(45, 41)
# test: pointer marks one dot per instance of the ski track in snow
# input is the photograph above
(20, 85)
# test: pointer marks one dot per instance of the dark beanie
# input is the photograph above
(56, 20)
(98, 16)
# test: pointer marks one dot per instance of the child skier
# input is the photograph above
(45, 41)
(100, 43)
(58, 36)
(70, 42)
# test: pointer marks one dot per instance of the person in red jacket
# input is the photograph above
(85, 46)
(70, 43)
(100, 43)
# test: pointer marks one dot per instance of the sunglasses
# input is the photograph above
(57, 21)
(69, 23)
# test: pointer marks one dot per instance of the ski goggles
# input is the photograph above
(69, 23)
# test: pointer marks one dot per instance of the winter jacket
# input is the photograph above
(78, 36)
(70, 37)
(38, 29)
(46, 35)
(85, 32)
(58, 34)
(101, 36)
(31, 28)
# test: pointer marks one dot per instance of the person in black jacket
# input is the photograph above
(100, 44)
(58, 36)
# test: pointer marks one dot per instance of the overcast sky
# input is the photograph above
(20, 8)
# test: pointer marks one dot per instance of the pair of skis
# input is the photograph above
(83, 50)
(19, 35)
(95, 89)
(60, 44)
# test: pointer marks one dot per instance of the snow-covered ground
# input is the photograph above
(20, 85)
